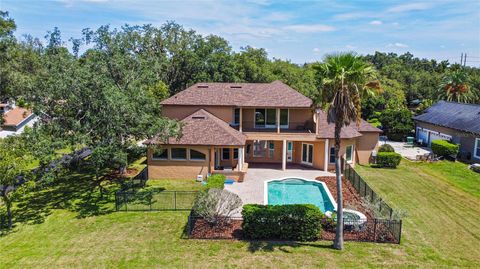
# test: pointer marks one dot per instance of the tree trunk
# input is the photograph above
(338, 243)
(8, 205)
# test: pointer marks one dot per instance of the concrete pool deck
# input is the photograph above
(251, 190)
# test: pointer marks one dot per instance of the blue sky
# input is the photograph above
(301, 31)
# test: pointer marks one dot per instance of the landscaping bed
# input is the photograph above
(201, 229)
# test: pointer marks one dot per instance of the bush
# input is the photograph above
(216, 181)
(215, 205)
(386, 148)
(388, 159)
(444, 148)
(282, 222)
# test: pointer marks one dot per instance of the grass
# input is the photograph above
(443, 208)
(441, 230)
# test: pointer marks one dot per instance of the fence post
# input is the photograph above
(116, 201)
(400, 232)
(125, 200)
(391, 212)
(175, 200)
(374, 230)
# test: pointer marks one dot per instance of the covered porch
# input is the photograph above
(229, 161)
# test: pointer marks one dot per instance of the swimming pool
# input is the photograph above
(299, 191)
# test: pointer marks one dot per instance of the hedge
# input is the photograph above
(300, 222)
(444, 148)
(386, 148)
(388, 159)
(216, 181)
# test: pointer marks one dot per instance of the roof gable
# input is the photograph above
(459, 116)
(275, 94)
(327, 130)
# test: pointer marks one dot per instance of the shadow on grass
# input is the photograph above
(75, 191)
(270, 246)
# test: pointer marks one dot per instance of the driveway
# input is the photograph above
(408, 151)
(251, 190)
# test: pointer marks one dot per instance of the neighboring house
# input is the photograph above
(14, 119)
(456, 122)
(228, 126)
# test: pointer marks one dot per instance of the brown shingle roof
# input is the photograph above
(203, 128)
(327, 130)
(15, 116)
(275, 94)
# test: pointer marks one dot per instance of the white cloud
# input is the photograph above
(397, 45)
(316, 50)
(409, 7)
(309, 28)
(350, 47)
(376, 22)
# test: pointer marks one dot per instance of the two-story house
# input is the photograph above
(228, 127)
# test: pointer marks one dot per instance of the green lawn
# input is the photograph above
(442, 230)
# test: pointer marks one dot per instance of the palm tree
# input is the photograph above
(454, 87)
(346, 78)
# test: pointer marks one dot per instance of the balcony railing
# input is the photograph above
(292, 127)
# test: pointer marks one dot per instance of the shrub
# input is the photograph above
(444, 148)
(386, 148)
(388, 159)
(216, 181)
(282, 222)
(216, 205)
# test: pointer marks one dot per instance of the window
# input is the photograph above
(179, 153)
(236, 116)
(284, 118)
(259, 148)
(271, 148)
(271, 118)
(332, 155)
(197, 155)
(235, 154)
(248, 148)
(476, 150)
(349, 153)
(307, 153)
(226, 154)
(160, 154)
(260, 115)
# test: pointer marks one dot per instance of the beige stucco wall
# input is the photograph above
(179, 112)
(365, 144)
(178, 169)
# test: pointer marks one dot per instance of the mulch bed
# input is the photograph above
(204, 230)
(351, 198)
(131, 172)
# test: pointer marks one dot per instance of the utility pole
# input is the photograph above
(465, 60)
(461, 59)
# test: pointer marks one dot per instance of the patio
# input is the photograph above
(251, 191)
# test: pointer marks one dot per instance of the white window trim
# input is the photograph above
(477, 145)
(189, 155)
(270, 126)
(329, 155)
(353, 153)
(228, 155)
(177, 159)
(308, 151)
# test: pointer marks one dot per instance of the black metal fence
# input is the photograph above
(365, 191)
(154, 200)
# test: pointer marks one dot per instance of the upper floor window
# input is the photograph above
(267, 118)
(236, 116)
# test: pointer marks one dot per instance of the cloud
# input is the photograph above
(397, 45)
(309, 28)
(316, 50)
(409, 7)
(376, 22)
(350, 47)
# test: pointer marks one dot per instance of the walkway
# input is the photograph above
(251, 191)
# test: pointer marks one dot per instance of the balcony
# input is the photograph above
(292, 127)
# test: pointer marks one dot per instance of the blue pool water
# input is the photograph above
(298, 191)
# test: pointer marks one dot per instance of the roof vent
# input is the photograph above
(202, 86)
(198, 117)
(235, 86)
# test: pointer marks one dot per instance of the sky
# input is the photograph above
(300, 31)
